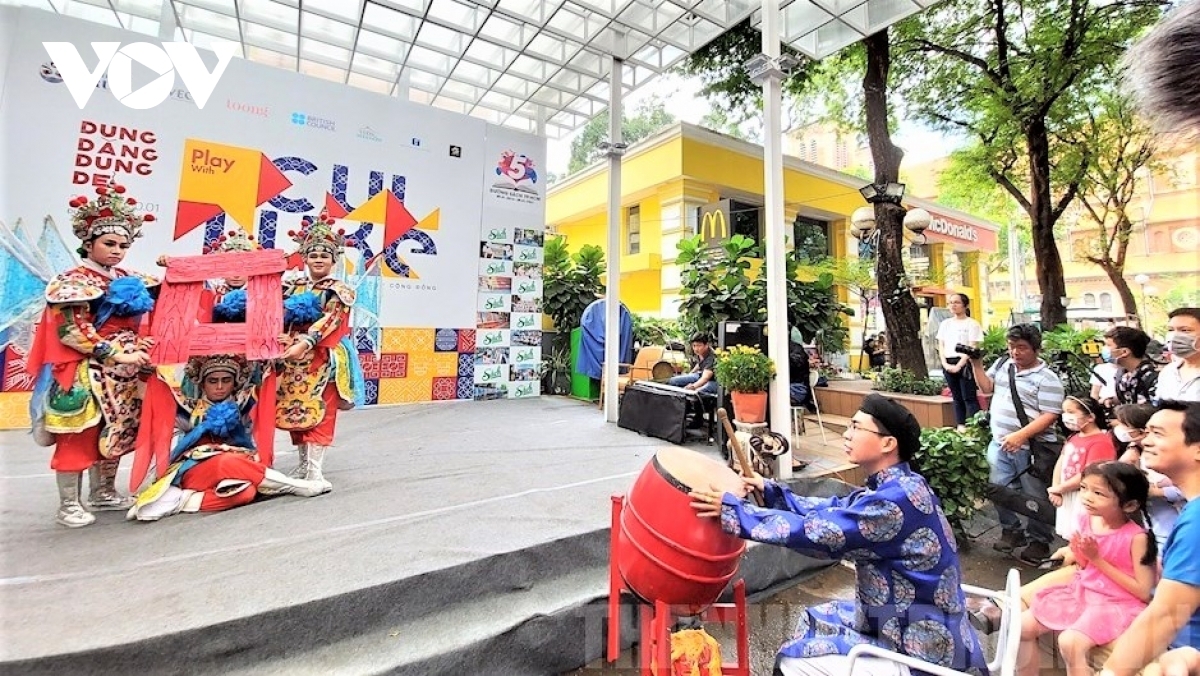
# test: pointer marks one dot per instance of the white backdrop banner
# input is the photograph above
(420, 190)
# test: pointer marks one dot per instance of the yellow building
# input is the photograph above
(669, 177)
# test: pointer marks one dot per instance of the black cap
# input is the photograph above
(896, 420)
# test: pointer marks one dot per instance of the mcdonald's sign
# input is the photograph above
(714, 224)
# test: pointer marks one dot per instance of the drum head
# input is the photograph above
(689, 469)
(662, 371)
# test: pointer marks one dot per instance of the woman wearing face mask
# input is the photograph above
(1180, 380)
(1166, 500)
(1089, 443)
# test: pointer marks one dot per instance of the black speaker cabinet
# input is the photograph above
(654, 412)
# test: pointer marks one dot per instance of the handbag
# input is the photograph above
(1043, 455)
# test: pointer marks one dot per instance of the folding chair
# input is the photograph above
(799, 411)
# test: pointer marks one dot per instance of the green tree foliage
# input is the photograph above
(570, 282)
(1124, 147)
(1018, 77)
(720, 66)
(715, 288)
(648, 118)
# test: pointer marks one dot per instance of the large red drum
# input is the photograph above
(664, 551)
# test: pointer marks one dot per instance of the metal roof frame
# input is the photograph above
(541, 66)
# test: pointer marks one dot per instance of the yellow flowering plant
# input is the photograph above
(742, 368)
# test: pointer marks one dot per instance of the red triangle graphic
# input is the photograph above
(399, 219)
(334, 207)
(271, 180)
(189, 215)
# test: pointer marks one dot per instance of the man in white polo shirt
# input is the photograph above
(1180, 380)
(1040, 393)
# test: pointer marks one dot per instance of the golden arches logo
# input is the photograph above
(714, 226)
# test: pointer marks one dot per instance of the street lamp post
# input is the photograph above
(862, 223)
(1142, 280)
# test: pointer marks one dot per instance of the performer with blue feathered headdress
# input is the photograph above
(89, 352)
(214, 464)
(320, 369)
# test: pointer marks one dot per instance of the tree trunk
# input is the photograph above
(900, 311)
(1042, 217)
(1117, 277)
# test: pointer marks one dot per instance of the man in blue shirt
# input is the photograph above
(1172, 620)
(909, 598)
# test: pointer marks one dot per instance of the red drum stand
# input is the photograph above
(655, 619)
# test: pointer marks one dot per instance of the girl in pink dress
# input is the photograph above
(1090, 443)
(1116, 571)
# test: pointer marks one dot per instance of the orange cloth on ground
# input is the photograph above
(695, 653)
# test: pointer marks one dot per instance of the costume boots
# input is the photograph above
(301, 470)
(70, 512)
(278, 483)
(316, 456)
(102, 493)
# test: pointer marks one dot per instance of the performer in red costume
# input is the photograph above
(320, 369)
(214, 463)
(89, 354)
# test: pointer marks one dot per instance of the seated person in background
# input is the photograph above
(799, 371)
(701, 377)
(909, 594)
(878, 351)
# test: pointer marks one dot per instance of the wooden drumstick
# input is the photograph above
(743, 460)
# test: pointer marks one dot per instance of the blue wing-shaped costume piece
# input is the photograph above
(26, 267)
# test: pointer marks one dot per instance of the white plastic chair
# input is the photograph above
(1008, 641)
(799, 411)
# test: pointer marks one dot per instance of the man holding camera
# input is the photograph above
(1027, 398)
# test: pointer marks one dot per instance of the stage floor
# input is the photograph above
(432, 504)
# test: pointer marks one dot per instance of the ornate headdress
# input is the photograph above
(234, 240)
(111, 212)
(318, 235)
(199, 368)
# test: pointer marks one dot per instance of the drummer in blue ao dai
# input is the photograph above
(908, 596)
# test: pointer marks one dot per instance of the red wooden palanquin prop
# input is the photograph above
(180, 333)
(177, 334)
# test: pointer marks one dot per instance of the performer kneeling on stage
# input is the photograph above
(214, 465)
(909, 596)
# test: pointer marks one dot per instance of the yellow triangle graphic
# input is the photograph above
(373, 210)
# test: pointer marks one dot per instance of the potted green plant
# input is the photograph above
(746, 372)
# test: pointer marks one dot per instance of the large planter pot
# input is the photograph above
(749, 407)
(845, 398)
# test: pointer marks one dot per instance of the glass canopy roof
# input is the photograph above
(520, 63)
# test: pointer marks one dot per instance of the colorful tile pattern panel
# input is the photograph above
(445, 389)
(14, 410)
